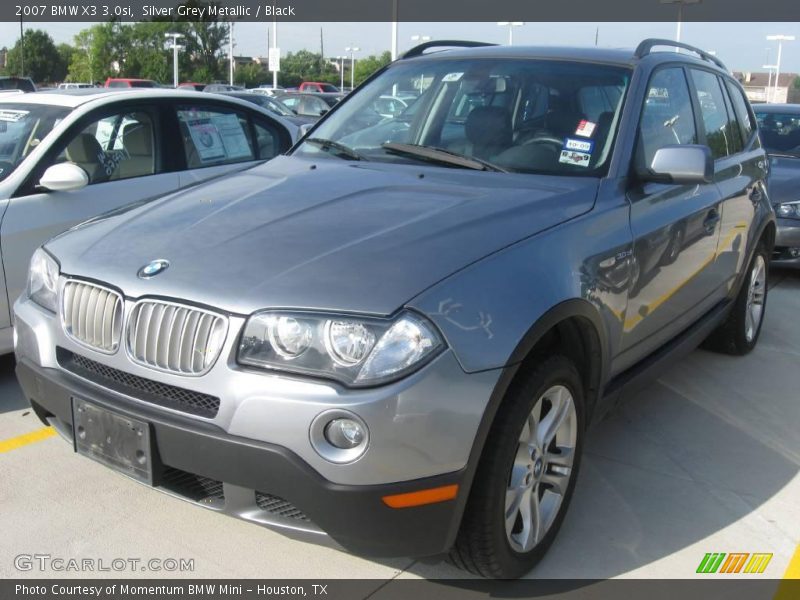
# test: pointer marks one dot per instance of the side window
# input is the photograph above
(268, 141)
(117, 146)
(214, 136)
(743, 114)
(713, 112)
(292, 102)
(667, 116)
(733, 131)
(313, 107)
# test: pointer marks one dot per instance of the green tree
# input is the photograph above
(797, 83)
(98, 54)
(251, 75)
(367, 66)
(42, 61)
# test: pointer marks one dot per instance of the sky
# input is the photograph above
(742, 46)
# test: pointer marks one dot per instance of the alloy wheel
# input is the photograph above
(755, 298)
(542, 468)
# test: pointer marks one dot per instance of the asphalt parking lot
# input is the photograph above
(704, 460)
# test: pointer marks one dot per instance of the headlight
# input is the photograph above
(355, 351)
(788, 209)
(43, 280)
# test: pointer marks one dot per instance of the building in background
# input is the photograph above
(757, 87)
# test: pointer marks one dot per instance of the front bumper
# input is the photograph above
(254, 460)
(787, 237)
(229, 471)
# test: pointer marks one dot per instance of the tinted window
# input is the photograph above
(714, 114)
(743, 115)
(118, 146)
(733, 131)
(214, 136)
(667, 116)
(780, 132)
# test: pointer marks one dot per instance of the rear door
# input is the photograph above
(120, 148)
(675, 227)
(741, 177)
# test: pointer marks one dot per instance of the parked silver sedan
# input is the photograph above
(70, 155)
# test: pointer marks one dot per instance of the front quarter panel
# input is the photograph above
(486, 310)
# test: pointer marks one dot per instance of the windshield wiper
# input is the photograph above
(782, 154)
(441, 155)
(344, 151)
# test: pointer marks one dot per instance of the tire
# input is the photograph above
(674, 248)
(489, 543)
(739, 334)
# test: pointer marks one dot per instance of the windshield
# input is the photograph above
(530, 116)
(22, 128)
(780, 132)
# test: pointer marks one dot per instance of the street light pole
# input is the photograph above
(510, 25)
(681, 4)
(780, 38)
(341, 70)
(175, 48)
(352, 50)
(21, 47)
(275, 50)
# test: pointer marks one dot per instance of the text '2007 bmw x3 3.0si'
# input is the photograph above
(394, 337)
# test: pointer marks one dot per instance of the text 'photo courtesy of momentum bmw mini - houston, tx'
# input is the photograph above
(394, 337)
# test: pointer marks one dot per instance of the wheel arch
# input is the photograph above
(574, 328)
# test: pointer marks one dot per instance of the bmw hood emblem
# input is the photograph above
(153, 268)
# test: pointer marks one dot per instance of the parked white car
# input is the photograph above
(68, 155)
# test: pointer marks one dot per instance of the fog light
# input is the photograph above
(344, 433)
(339, 436)
(794, 252)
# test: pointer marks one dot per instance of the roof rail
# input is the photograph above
(419, 50)
(647, 45)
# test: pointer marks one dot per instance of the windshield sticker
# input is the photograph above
(579, 145)
(578, 159)
(12, 116)
(585, 128)
(450, 77)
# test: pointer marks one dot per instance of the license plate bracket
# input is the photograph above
(114, 440)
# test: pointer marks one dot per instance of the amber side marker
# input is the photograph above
(429, 496)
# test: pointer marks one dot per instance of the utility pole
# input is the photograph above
(275, 51)
(394, 30)
(21, 48)
(175, 47)
(230, 51)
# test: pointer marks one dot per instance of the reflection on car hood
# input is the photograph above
(784, 179)
(335, 235)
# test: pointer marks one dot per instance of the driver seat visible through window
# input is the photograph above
(488, 133)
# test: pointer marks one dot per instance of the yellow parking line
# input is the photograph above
(26, 438)
(793, 570)
(788, 587)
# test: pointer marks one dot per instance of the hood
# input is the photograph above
(784, 179)
(332, 235)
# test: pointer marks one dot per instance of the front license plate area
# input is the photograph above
(114, 440)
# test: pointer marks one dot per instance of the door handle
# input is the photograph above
(710, 224)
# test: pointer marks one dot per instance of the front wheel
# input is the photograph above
(738, 335)
(526, 475)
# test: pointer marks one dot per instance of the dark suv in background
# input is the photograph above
(395, 336)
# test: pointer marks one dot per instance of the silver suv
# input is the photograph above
(394, 338)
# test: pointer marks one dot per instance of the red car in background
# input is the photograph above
(316, 86)
(126, 82)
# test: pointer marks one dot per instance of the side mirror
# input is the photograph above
(688, 163)
(64, 177)
(305, 128)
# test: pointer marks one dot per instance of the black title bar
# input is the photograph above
(402, 10)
